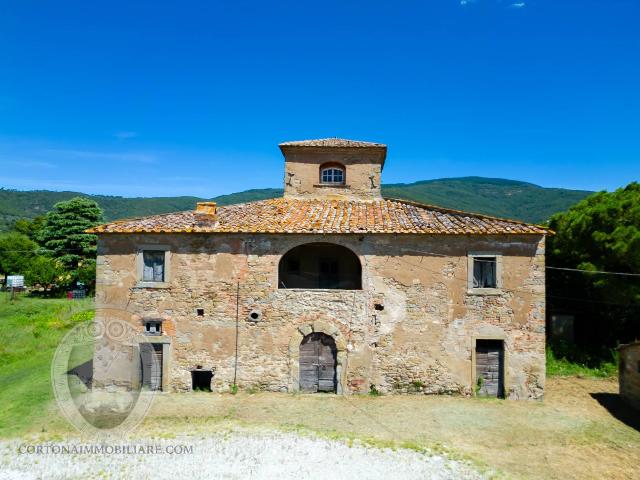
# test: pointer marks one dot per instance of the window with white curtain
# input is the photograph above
(485, 272)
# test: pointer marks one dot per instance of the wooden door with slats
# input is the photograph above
(151, 358)
(490, 368)
(317, 363)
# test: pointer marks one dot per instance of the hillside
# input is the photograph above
(491, 196)
(16, 204)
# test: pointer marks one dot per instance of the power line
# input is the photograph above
(594, 271)
(598, 272)
(603, 272)
(595, 301)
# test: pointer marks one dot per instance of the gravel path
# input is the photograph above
(238, 455)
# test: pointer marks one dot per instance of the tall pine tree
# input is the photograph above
(600, 233)
(63, 237)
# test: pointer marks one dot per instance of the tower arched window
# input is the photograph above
(332, 174)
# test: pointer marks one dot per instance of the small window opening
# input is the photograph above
(254, 316)
(201, 379)
(378, 306)
(153, 328)
(153, 266)
(200, 312)
(484, 272)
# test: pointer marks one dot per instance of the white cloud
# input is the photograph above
(125, 135)
(105, 156)
(518, 5)
(116, 188)
(31, 164)
(466, 2)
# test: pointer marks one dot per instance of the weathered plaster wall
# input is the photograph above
(302, 173)
(425, 333)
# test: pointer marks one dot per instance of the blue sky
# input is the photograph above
(192, 97)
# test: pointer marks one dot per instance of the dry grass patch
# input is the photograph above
(569, 435)
(581, 430)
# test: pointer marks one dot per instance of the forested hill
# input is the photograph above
(491, 196)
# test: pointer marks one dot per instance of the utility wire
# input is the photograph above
(599, 272)
(313, 274)
(595, 301)
(594, 271)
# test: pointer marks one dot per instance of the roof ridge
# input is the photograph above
(464, 212)
(331, 142)
(318, 215)
(121, 220)
(96, 228)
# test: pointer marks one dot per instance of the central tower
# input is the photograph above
(333, 168)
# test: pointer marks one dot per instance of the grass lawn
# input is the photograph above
(30, 329)
(580, 430)
(559, 366)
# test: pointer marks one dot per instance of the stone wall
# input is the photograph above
(630, 374)
(412, 327)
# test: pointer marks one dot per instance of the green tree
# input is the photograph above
(600, 233)
(64, 236)
(42, 271)
(16, 252)
(30, 227)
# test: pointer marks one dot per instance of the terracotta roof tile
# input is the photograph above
(333, 142)
(288, 215)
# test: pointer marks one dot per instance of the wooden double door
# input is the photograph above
(318, 363)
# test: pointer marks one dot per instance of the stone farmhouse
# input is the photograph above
(331, 288)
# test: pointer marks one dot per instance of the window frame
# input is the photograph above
(333, 166)
(498, 289)
(158, 324)
(141, 283)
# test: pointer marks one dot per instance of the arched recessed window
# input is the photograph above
(320, 265)
(332, 174)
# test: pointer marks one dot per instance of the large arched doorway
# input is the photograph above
(320, 265)
(318, 363)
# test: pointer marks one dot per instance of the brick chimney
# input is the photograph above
(206, 208)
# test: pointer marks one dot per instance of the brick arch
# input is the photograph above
(319, 326)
